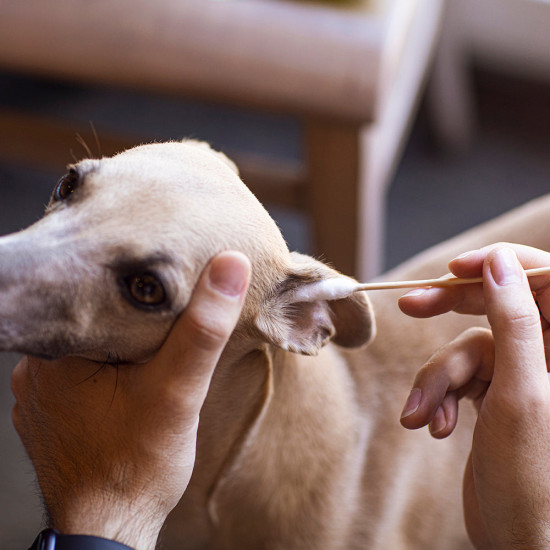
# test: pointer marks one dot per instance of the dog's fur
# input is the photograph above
(299, 442)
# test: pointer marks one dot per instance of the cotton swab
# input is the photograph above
(449, 281)
(341, 287)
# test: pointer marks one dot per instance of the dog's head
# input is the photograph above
(114, 260)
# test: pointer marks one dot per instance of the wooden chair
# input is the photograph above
(352, 72)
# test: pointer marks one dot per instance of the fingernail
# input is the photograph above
(505, 267)
(464, 255)
(413, 402)
(439, 422)
(415, 293)
(228, 275)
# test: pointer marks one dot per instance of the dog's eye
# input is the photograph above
(66, 186)
(146, 289)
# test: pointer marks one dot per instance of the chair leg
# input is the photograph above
(338, 198)
(450, 98)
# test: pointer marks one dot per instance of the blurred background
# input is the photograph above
(370, 129)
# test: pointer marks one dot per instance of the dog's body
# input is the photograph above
(295, 450)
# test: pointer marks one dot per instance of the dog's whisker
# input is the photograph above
(85, 146)
(95, 373)
(110, 361)
(116, 365)
(97, 142)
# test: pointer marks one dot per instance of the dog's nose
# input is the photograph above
(26, 258)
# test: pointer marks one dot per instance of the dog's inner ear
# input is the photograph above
(302, 314)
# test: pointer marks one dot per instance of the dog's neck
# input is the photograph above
(248, 424)
(240, 392)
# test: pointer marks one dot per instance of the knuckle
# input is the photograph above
(498, 245)
(470, 341)
(433, 373)
(475, 336)
(456, 362)
(477, 332)
(521, 322)
(478, 344)
(207, 332)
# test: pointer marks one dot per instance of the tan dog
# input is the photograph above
(299, 441)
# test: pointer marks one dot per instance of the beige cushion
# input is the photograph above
(291, 55)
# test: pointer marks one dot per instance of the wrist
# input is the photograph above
(131, 535)
(126, 523)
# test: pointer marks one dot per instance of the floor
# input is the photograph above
(435, 195)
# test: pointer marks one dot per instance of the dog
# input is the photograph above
(299, 443)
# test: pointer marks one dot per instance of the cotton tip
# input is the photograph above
(328, 289)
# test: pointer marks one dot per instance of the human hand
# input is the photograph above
(506, 481)
(114, 447)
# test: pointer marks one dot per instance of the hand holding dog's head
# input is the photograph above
(113, 262)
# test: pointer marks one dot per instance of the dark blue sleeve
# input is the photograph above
(50, 539)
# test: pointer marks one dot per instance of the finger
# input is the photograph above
(446, 416)
(422, 303)
(520, 366)
(428, 302)
(470, 264)
(195, 343)
(454, 368)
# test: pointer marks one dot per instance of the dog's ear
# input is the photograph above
(305, 312)
(206, 147)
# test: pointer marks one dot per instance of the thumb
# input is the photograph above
(520, 364)
(198, 338)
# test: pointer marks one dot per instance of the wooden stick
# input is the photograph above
(451, 281)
